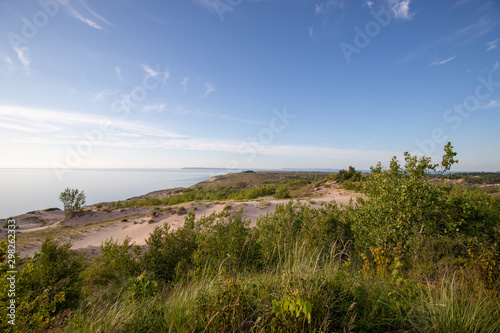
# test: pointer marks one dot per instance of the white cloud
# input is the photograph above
(370, 4)
(492, 104)
(23, 54)
(154, 73)
(149, 71)
(118, 72)
(154, 108)
(442, 62)
(209, 88)
(30, 126)
(81, 11)
(326, 6)
(73, 124)
(401, 9)
(8, 64)
(492, 45)
(184, 83)
(166, 75)
(495, 66)
(466, 35)
(311, 32)
(104, 94)
(459, 3)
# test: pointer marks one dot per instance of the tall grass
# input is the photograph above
(344, 298)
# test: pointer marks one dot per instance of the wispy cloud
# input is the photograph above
(149, 71)
(209, 88)
(492, 104)
(325, 6)
(185, 82)
(310, 30)
(495, 66)
(464, 35)
(7, 63)
(401, 9)
(118, 72)
(492, 45)
(23, 54)
(442, 62)
(104, 94)
(44, 121)
(55, 127)
(459, 3)
(369, 4)
(484, 25)
(154, 108)
(81, 11)
(155, 73)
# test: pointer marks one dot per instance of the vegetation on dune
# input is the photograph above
(416, 255)
(73, 200)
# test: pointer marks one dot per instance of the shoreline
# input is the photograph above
(87, 230)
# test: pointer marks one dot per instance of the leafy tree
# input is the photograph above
(73, 200)
(448, 158)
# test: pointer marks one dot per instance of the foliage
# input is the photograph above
(425, 258)
(46, 285)
(225, 242)
(114, 261)
(282, 193)
(299, 224)
(72, 199)
(351, 175)
(169, 253)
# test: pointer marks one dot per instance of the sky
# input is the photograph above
(263, 84)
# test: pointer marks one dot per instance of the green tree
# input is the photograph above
(448, 158)
(73, 200)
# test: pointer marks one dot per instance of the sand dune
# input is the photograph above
(138, 223)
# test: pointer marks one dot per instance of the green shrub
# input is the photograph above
(282, 192)
(225, 241)
(169, 253)
(114, 262)
(48, 284)
(296, 224)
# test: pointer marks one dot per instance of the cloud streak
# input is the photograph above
(155, 73)
(401, 9)
(442, 62)
(43, 121)
(492, 104)
(81, 11)
(492, 45)
(209, 88)
(23, 54)
(53, 127)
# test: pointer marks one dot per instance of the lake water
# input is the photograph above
(24, 190)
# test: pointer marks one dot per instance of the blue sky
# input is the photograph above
(247, 84)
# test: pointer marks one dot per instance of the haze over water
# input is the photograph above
(24, 190)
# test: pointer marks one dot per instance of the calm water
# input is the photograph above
(23, 190)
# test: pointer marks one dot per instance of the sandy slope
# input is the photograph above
(140, 223)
